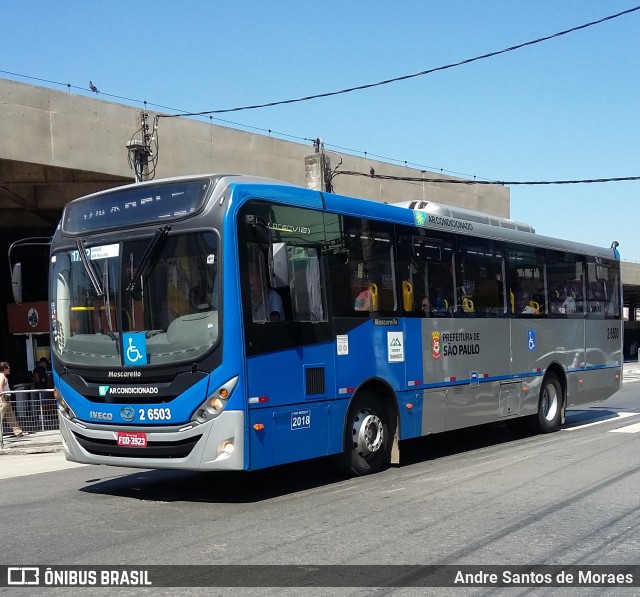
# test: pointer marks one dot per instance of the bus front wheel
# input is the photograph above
(549, 405)
(368, 436)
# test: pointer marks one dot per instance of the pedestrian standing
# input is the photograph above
(41, 381)
(5, 405)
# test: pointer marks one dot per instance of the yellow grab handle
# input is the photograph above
(407, 295)
(373, 289)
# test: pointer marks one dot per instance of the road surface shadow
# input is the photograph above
(256, 486)
(596, 414)
(215, 487)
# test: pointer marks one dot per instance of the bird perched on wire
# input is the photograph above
(93, 88)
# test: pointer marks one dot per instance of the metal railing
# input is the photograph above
(35, 410)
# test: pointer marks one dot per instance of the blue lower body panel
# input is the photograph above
(286, 434)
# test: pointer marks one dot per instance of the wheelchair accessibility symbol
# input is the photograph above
(135, 349)
(532, 339)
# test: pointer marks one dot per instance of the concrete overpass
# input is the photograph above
(56, 146)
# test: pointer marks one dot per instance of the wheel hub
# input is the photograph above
(368, 433)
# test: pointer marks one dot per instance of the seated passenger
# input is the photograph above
(439, 307)
(526, 308)
(363, 301)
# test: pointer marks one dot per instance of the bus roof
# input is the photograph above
(429, 215)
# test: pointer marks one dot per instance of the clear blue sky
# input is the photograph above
(563, 109)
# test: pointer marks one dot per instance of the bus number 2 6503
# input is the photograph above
(155, 414)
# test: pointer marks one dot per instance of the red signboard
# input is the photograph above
(28, 318)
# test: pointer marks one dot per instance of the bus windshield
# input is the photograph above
(164, 290)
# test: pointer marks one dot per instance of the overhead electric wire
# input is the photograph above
(362, 87)
(504, 183)
(413, 75)
(269, 131)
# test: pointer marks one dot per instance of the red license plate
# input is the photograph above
(131, 439)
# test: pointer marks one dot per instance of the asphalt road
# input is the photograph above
(478, 497)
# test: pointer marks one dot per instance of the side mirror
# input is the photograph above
(278, 265)
(16, 282)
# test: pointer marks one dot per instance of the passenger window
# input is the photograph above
(527, 281)
(262, 309)
(426, 273)
(305, 281)
(480, 285)
(567, 283)
(603, 288)
(363, 270)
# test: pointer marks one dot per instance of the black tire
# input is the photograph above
(550, 406)
(368, 436)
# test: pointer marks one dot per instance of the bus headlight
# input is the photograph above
(64, 408)
(216, 402)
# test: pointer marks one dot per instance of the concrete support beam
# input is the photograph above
(49, 135)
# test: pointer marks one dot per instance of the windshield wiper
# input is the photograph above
(89, 268)
(151, 252)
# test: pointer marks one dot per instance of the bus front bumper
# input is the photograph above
(215, 445)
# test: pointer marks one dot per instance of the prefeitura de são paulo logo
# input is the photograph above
(435, 345)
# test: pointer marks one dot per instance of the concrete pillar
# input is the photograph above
(317, 171)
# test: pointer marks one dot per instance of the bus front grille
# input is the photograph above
(154, 449)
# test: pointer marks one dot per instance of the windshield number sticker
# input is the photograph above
(301, 419)
(155, 414)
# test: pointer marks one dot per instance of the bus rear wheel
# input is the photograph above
(368, 436)
(549, 405)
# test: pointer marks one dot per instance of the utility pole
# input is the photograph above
(139, 149)
(317, 168)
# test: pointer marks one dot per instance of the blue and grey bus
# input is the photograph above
(227, 322)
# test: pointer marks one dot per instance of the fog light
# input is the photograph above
(226, 447)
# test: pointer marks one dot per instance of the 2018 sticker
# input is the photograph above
(301, 419)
